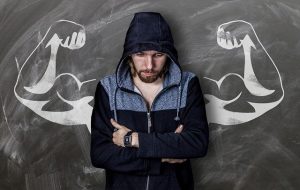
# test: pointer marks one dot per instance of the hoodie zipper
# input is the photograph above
(150, 122)
(149, 130)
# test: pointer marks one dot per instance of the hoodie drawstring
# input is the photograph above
(115, 105)
(177, 118)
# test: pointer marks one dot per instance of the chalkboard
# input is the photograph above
(245, 53)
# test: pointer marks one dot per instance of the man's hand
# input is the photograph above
(179, 129)
(118, 135)
(174, 160)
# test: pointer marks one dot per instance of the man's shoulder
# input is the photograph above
(187, 76)
(109, 83)
(108, 79)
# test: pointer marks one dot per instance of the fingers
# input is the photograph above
(221, 37)
(177, 161)
(235, 42)
(173, 160)
(118, 126)
(66, 43)
(224, 39)
(74, 35)
(77, 40)
(179, 129)
(119, 132)
(227, 40)
(81, 38)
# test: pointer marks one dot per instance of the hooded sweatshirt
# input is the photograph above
(179, 102)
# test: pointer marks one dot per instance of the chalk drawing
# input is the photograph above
(81, 111)
(216, 111)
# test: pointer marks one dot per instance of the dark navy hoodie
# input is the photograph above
(179, 102)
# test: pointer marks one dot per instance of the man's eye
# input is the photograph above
(159, 54)
(139, 54)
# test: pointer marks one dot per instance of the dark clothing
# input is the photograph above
(179, 102)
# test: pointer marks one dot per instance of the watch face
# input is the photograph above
(127, 140)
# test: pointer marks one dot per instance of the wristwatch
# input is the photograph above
(128, 139)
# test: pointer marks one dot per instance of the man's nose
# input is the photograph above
(149, 62)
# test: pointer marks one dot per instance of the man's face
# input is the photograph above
(148, 65)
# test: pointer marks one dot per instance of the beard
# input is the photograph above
(153, 75)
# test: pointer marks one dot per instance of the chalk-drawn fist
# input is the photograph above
(76, 41)
(230, 35)
(67, 34)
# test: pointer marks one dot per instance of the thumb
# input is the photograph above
(115, 124)
(179, 129)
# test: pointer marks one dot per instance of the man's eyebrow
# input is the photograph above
(144, 52)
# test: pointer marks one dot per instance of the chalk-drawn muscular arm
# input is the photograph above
(231, 36)
(71, 40)
(65, 34)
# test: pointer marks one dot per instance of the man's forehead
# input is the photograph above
(150, 52)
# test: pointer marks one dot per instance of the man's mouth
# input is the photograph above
(149, 74)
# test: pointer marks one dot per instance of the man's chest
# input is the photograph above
(148, 94)
(132, 110)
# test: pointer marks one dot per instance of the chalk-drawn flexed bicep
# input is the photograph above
(232, 36)
(62, 34)
(71, 40)
(237, 34)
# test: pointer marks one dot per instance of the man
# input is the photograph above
(149, 117)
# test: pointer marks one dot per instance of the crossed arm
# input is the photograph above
(150, 149)
(118, 139)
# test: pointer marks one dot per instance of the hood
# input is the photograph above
(148, 31)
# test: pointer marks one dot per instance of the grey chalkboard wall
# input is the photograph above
(245, 52)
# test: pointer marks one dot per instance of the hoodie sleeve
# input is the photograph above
(104, 153)
(191, 142)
